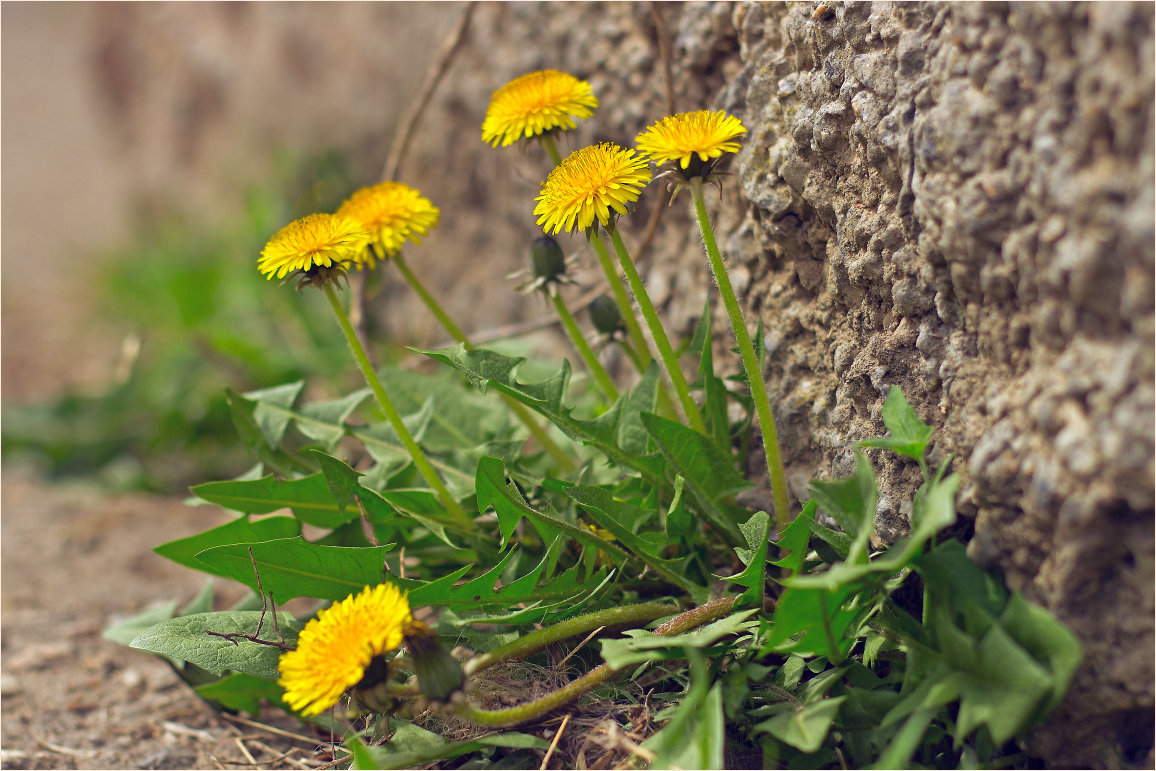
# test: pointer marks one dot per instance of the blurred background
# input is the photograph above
(150, 150)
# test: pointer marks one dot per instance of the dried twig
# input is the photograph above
(271, 729)
(401, 139)
(553, 744)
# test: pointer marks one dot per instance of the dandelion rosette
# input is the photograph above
(535, 104)
(589, 185)
(335, 648)
(694, 139)
(319, 245)
(392, 213)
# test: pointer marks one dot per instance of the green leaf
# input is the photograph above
(128, 629)
(804, 727)
(756, 530)
(695, 735)
(341, 478)
(710, 475)
(292, 567)
(412, 747)
(488, 368)
(794, 540)
(183, 551)
(714, 407)
(1046, 640)
(242, 692)
(679, 521)
(243, 412)
(325, 421)
(640, 645)
(851, 503)
(494, 492)
(616, 516)
(310, 499)
(909, 434)
(185, 638)
(270, 411)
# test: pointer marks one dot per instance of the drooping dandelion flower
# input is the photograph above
(536, 104)
(335, 648)
(319, 242)
(589, 185)
(392, 213)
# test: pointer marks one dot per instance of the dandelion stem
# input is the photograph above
(633, 330)
(572, 627)
(551, 148)
(520, 411)
(456, 512)
(434, 306)
(583, 348)
(661, 341)
(750, 362)
(533, 710)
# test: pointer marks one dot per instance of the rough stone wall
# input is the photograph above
(952, 198)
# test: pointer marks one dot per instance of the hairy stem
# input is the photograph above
(583, 348)
(661, 341)
(751, 363)
(520, 411)
(456, 512)
(502, 718)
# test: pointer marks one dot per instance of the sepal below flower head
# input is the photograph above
(439, 675)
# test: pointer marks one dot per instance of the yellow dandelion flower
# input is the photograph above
(534, 104)
(588, 185)
(316, 241)
(681, 137)
(391, 212)
(335, 648)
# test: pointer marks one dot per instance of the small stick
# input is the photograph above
(245, 751)
(578, 647)
(270, 729)
(365, 522)
(453, 45)
(265, 603)
(557, 736)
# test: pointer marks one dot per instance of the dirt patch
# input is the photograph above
(73, 560)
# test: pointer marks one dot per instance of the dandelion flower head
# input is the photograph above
(681, 137)
(391, 212)
(588, 185)
(334, 649)
(316, 241)
(534, 104)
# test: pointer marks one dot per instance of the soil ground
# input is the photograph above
(75, 559)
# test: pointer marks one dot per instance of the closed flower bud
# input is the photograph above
(547, 259)
(605, 316)
(439, 675)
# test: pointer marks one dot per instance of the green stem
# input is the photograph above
(583, 348)
(633, 330)
(551, 148)
(572, 627)
(434, 306)
(502, 718)
(456, 512)
(750, 362)
(523, 414)
(661, 341)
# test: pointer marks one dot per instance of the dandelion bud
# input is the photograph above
(605, 316)
(439, 675)
(547, 259)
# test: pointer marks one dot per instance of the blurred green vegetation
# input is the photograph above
(197, 318)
